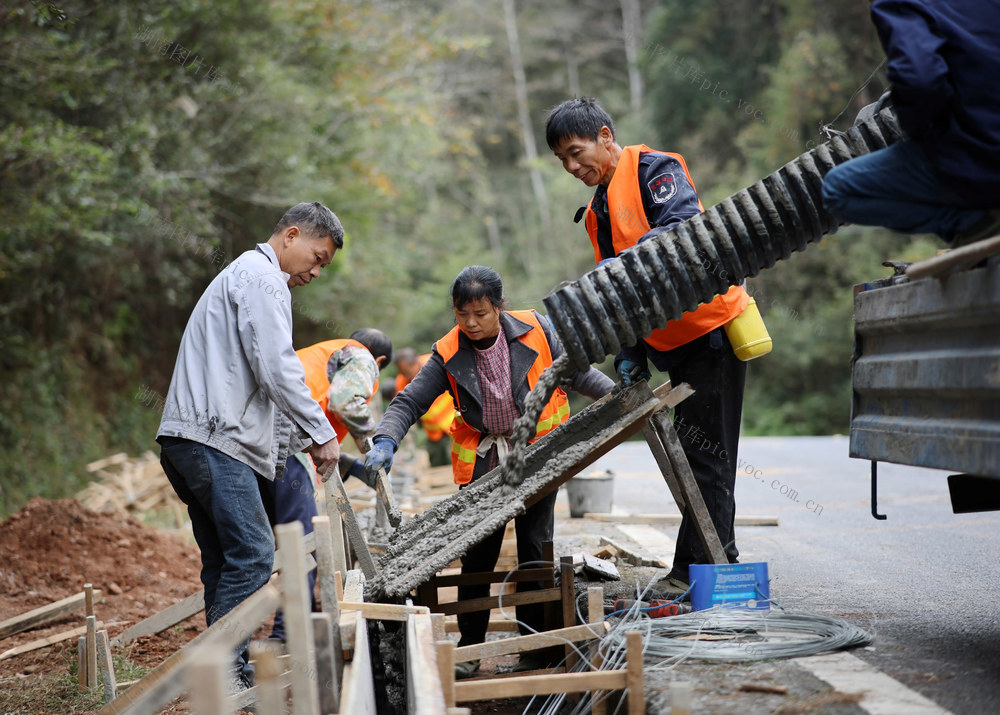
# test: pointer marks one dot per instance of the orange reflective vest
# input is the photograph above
(314, 359)
(465, 438)
(629, 224)
(438, 418)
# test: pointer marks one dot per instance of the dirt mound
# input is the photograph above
(50, 549)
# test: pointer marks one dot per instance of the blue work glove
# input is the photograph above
(357, 469)
(632, 372)
(379, 457)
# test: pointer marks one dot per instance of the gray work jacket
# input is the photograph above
(238, 385)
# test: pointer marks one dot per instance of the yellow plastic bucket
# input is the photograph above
(748, 334)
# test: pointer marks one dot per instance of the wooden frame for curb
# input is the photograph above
(629, 679)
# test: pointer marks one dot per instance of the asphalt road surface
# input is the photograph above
(926, 581)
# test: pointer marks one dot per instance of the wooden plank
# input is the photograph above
(704, 527)
(354, 590)
(270, 696)
(481, 577)
(81, 662)
(358, 694)
(663, 462)
(536, 641)
(327, 677)
(955, 259)
(673, 519)
(548, 684)
(44, 614)
(208, 680)
(595, 615)
(424, 690)
(47, 641)
(383, 611)
(516, 599)
(633, 673)
(336, 494)
(568, 592)
(327, 576)
(114, 459)
(107, 666)
(496, 625)
(165, 681)
(92, 667)
(298, 625)
(189, 606)
(446, 668)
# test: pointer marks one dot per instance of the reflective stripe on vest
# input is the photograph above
(314, 360)
(628, 224)
(465, 438)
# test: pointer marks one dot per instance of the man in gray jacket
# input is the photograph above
(238, 405)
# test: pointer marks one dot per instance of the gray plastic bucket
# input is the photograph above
(590, 493)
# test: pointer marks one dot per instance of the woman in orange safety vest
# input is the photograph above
(488, 363)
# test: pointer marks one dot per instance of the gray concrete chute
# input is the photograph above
(662, 278)
(436, 537)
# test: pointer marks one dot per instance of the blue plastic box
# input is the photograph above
(729, 586)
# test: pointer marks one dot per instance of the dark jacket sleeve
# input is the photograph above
(667, 195)
(921, 88)
(593, 383)
(409, 405)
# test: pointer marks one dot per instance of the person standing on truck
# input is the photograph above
(238, 405)
(944, 176)
(488, 363)
(342, 376)
(638, 193)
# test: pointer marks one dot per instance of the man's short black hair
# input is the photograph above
(377, 342)
(314, 220)
(581, 117)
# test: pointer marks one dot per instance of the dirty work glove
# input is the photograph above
(378, 457)
(632, 372)
(357, 469)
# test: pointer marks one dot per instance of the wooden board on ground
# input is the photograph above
(45, 614)
(47, 641)
(672, 519)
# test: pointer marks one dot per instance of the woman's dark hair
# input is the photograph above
(475, 282)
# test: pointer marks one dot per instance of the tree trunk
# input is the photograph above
(527, 134)
(632, 35)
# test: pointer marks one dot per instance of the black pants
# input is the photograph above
(708, 424)
(532, 528)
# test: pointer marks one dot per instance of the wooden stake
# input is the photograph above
(298, 626)
(595, 615)
(81, 662)
(329, 601)
(91, 652)
(446, 666)
(326, 669)
(424, 689)
(633, 673)
(107, 666)
(208, 677)
(270, 694)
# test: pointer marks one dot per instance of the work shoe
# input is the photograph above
(986, 227)
(672, 586)
(533, 660)
(466, 669)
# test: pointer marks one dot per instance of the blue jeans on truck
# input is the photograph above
(229, 524)
(897, 187)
